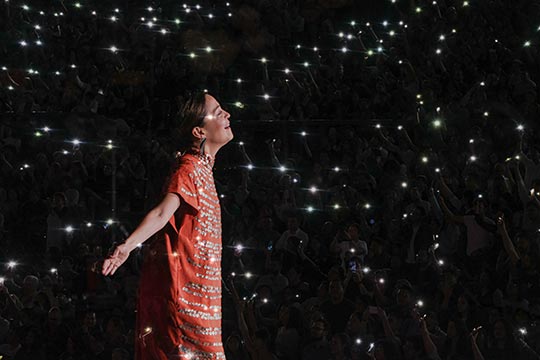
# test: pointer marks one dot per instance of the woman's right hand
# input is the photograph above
(113, 262)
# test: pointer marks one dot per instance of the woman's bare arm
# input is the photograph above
(154, 221)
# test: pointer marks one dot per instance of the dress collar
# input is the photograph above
(206, 159)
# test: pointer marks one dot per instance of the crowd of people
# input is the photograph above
(415, 236)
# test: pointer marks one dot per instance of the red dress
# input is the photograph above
(179, 299)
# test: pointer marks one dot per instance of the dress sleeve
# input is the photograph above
(183, 184)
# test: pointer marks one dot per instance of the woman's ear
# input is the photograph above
(198, 132)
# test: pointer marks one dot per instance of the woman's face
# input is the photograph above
(216, 126)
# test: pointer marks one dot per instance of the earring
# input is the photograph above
(202, 146)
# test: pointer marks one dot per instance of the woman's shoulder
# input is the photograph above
(184, 163)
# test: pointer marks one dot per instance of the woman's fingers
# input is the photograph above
(107, 265)
(110, 265)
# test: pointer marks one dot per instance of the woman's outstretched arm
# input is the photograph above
(154, 221)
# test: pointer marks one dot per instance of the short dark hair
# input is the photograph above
(191, 114)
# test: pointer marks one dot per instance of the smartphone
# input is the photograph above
(352, 266)
(270, 246)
